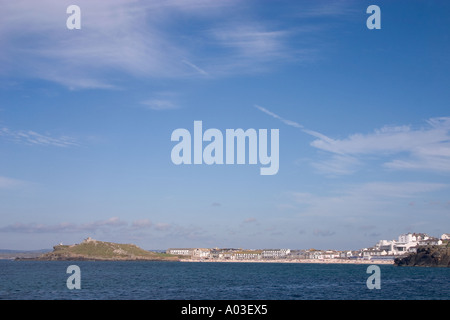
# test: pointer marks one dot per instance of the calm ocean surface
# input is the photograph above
(46, 280)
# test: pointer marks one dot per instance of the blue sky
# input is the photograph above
(86, 118)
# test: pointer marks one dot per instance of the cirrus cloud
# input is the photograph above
(402, 147)
(31, 137)
(133, 38)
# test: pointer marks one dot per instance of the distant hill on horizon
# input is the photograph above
(25, 254)
(91, 249)
(24, 251)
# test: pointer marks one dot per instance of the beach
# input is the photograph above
(325, 261)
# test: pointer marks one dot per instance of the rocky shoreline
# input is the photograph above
(429, 256)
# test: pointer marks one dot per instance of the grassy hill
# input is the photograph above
(91, 249)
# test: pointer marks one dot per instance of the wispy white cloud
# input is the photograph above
(141, 224)
(111, 222)
(195, 67)
(398, 147)
(274, 115)
(349, 209)
(323, 233)
(9, 183)
(250, 220)
(294, 124)
(120, 36)
(371, 196)
(142, 228)
(404, 147)
(65, 227)
(138, 39)
(338, 165)
(255, 47)
(408, 189)
(160, 101)
(159, 104)
(33, 138)
(320, 9)
(38, 228)
(252, 41)
(161, 226)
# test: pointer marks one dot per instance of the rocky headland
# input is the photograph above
(428, 256)
(94, 250)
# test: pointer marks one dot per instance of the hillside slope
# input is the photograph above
(91, 249)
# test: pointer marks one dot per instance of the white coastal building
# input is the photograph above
(275, 253)
(346, 254)
(248, 255)
(445, 236)
(180, 251)
(193, 252)
(314, 254)
(201, 253)
(406, 243)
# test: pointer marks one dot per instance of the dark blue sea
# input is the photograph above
(99, 280)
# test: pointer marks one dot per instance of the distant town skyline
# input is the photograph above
(86, 118)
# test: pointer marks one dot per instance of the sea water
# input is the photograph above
(152, 280)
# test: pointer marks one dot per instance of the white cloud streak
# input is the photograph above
(66, 227)
(327, 9)
(425, 148)
(9, 183)
(118, 36)
(134, 38)
(33, 138)
(159, 104)
(338, 165)
(274, 115)
(367, 200)
(404, 147)
(196, 68)
(142, 228)
(294, 124)
(252, 41)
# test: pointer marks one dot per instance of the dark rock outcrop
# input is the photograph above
(429, 256)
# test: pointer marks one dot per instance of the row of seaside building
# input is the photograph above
(384, 249)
